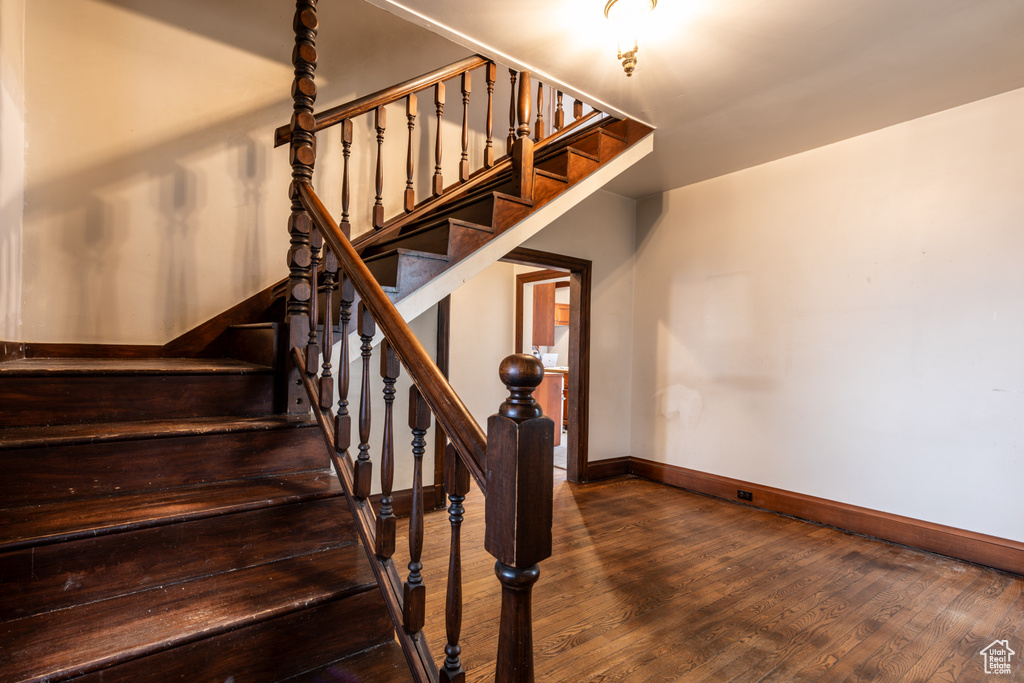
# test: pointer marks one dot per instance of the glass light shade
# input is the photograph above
(626, 17)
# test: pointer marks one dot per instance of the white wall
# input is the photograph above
(12, 164)
(848, 322)
(482, 332)
(154, 197)
(600, 229)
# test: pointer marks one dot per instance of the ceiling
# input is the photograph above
(730, 84)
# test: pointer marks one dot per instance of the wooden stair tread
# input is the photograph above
(98, 432)
(384, 663)
(65, 367)
(554, 176)
(32, 525)
(88, 637)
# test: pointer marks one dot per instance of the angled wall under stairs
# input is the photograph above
(422, 260)
(159, 523)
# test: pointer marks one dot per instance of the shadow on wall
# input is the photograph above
(187, 181)
(91, 243)
(177, 204)
(251, 171)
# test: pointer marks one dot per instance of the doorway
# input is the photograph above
(577, 375)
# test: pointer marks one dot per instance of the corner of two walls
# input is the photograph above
(847, 322)
(12, 164)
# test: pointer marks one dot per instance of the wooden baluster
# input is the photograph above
(415, 602)
(456, 482)
(518, 506)
(438, 183)
(326, 379)
(559, 114)
(316, 242)
(343, 421)
(410, 191)
(522, 151)
(540, 129)
(302, 155)
(491, 76)
(380, 122)
(467, 86)
(577, 109)
(512, 112)
(363, 466)
(389, 370)
(346, 147)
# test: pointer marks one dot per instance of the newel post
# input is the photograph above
(520, 485)
(302, 154)
(522, 149)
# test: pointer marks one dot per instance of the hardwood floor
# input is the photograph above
(651, 583)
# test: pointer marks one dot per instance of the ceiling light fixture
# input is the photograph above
(627, 15)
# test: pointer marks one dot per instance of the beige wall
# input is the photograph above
(600, 229)
(154, 198)
(12, 164)
(482, 333)
(483, 317)
(847, 322)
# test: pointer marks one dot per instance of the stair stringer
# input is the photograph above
(419, 301)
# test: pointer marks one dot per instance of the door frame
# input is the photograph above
(578, 390)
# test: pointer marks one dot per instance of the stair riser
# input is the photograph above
(545, 189)
(52, 577)
(267, 652)
(26, 401)
(600, 145)
(39, 475)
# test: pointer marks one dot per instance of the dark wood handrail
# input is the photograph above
(362, 105)
(448, 408)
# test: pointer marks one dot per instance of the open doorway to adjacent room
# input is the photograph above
(553, 315)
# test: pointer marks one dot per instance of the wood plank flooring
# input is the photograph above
(651, 583)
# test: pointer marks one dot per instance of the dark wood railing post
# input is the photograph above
(389, 371)
(302, 154)
(326, 379)
(379, 123)
(540, 129)
(316, 242)
(456, 484)
(437, 184)
(559, 113)
(577, 109)
(467, 87)
(410, 191)
(342, 420)
(346, 145)
(415, 592)
(491, 75)
(363, 467)
(522, 150)
(512, 111)
(518, 509)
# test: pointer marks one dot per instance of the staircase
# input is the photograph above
(160, 523)
(173, 514)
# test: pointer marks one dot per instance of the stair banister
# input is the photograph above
(449, 409)
(368, 103)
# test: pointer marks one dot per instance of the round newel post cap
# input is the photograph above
(521, 374)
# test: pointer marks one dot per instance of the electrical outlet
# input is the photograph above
(745, 495)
